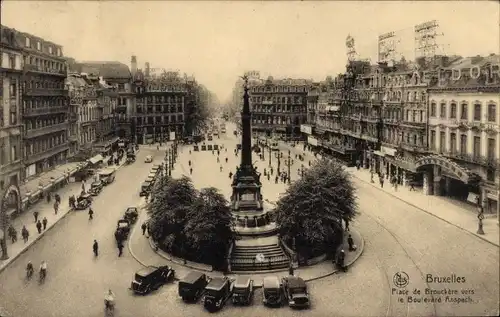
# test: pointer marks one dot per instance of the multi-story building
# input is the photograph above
(464, 139)
(11, 72)
(117, 78)
(160, 103)
(279, 107)
(45, 104)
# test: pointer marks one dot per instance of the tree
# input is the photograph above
(194, 225)
(311, 211)
(208, 229)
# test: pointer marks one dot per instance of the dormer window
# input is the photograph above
(39, 46)
(50, 50)
(28, 42)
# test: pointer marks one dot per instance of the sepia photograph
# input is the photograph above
(249, 158)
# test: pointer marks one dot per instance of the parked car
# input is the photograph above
(192, 286)
(131, 214)
(243, 291)
(148, 159)
(122, 229)
(273, 293)
(107, 176)
(145, 188)
(83, 201)
(217, 292)
(96, 188)
(295, 290)
(151, 278)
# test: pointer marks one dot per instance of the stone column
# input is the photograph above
(389, 165)
(403, 177)
(437, 179)
(447, 183)
(427, 186)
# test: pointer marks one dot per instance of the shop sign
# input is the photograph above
(388, 151)
(312, 140)
(304, 128)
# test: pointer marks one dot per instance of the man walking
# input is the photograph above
(35, 214)
(91, 213)
(120, 249)
(44, 222)
(95, 248)
(56, 207)
(143, 227)
(25, 233)
(39, 226)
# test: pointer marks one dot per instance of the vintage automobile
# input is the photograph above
(243, 291)
(152, 175)
(295, 290)
(107, 176)
(151, 278)
(130, 158)
(273, 293)
(148, 159)
(96, 188)
(145, 188)
(192, 286)
(217, 292)
(131, 214)
(151, 179)
(83, 201)
(122, 230)
(155, 169)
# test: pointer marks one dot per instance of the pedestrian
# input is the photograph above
(25, 234)
(189, 162)
(341, 260)
(350, 242)
(95, 248)
(276, 179)
(44, 222)
(218, 160)
(12, 234)
(412, 185)
(290, 270)
(381, 179)
(35, 214)
(226, 159)
(346, 221)
(191, 171)
(56, 207)
(39, 226)
(48, 197)
(143, 227)
(221, 168)
(120, 249)
(91, 213)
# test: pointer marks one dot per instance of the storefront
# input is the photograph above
(106, 147)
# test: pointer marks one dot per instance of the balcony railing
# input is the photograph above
(412, 147)
(45, 70)
(28, 112)
(33, 133)
(46, 92)
(487, 161)
(35, 157)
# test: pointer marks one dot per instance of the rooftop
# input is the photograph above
(106, 69)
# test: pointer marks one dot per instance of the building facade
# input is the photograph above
(279, 107)
(160, 106)
(463, 134)
(11, 75)
(45, 104)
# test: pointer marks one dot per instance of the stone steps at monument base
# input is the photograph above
(244, 258)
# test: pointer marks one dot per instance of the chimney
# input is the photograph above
(146, 69)
(133, 65)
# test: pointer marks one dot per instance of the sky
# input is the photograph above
(217, 41)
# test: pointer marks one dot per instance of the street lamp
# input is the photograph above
(480, 217)
(289, 164)
(279, 162)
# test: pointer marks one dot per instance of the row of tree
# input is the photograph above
(192, 224)
(197, 225)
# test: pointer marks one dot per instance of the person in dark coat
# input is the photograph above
(39, 226)
(44, 222)
(290, 270)
(25, 234)
(143, 227)
(35, 214)
(120, 248)
(340, 261)
(350, 242)
(95, 248)
(12, 234)
(91, 214)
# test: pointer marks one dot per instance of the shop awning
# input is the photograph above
(379, 153)
(96, 159)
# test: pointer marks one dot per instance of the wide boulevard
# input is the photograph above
(403, 246)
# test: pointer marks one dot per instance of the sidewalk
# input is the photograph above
(455, 213)
(45, 210)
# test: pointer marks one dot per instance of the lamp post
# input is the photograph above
(289, 164)
(279, 162)
(480, 217)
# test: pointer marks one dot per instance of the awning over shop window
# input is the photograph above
(96, 159)
(332, 108)
(378, 153)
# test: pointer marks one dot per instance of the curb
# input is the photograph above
(32, 242)
(427, 212)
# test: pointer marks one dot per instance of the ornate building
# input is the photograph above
(464, 140)
(160, 104)
(279, 107)
(11, 75)
(45, 104)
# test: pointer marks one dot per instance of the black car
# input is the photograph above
(131, 214)
(192, 286)
(273, 292)
(151, 278)
(122, 230)
(217, 292)
(295, 290)
(243, 291)
(83, 201)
